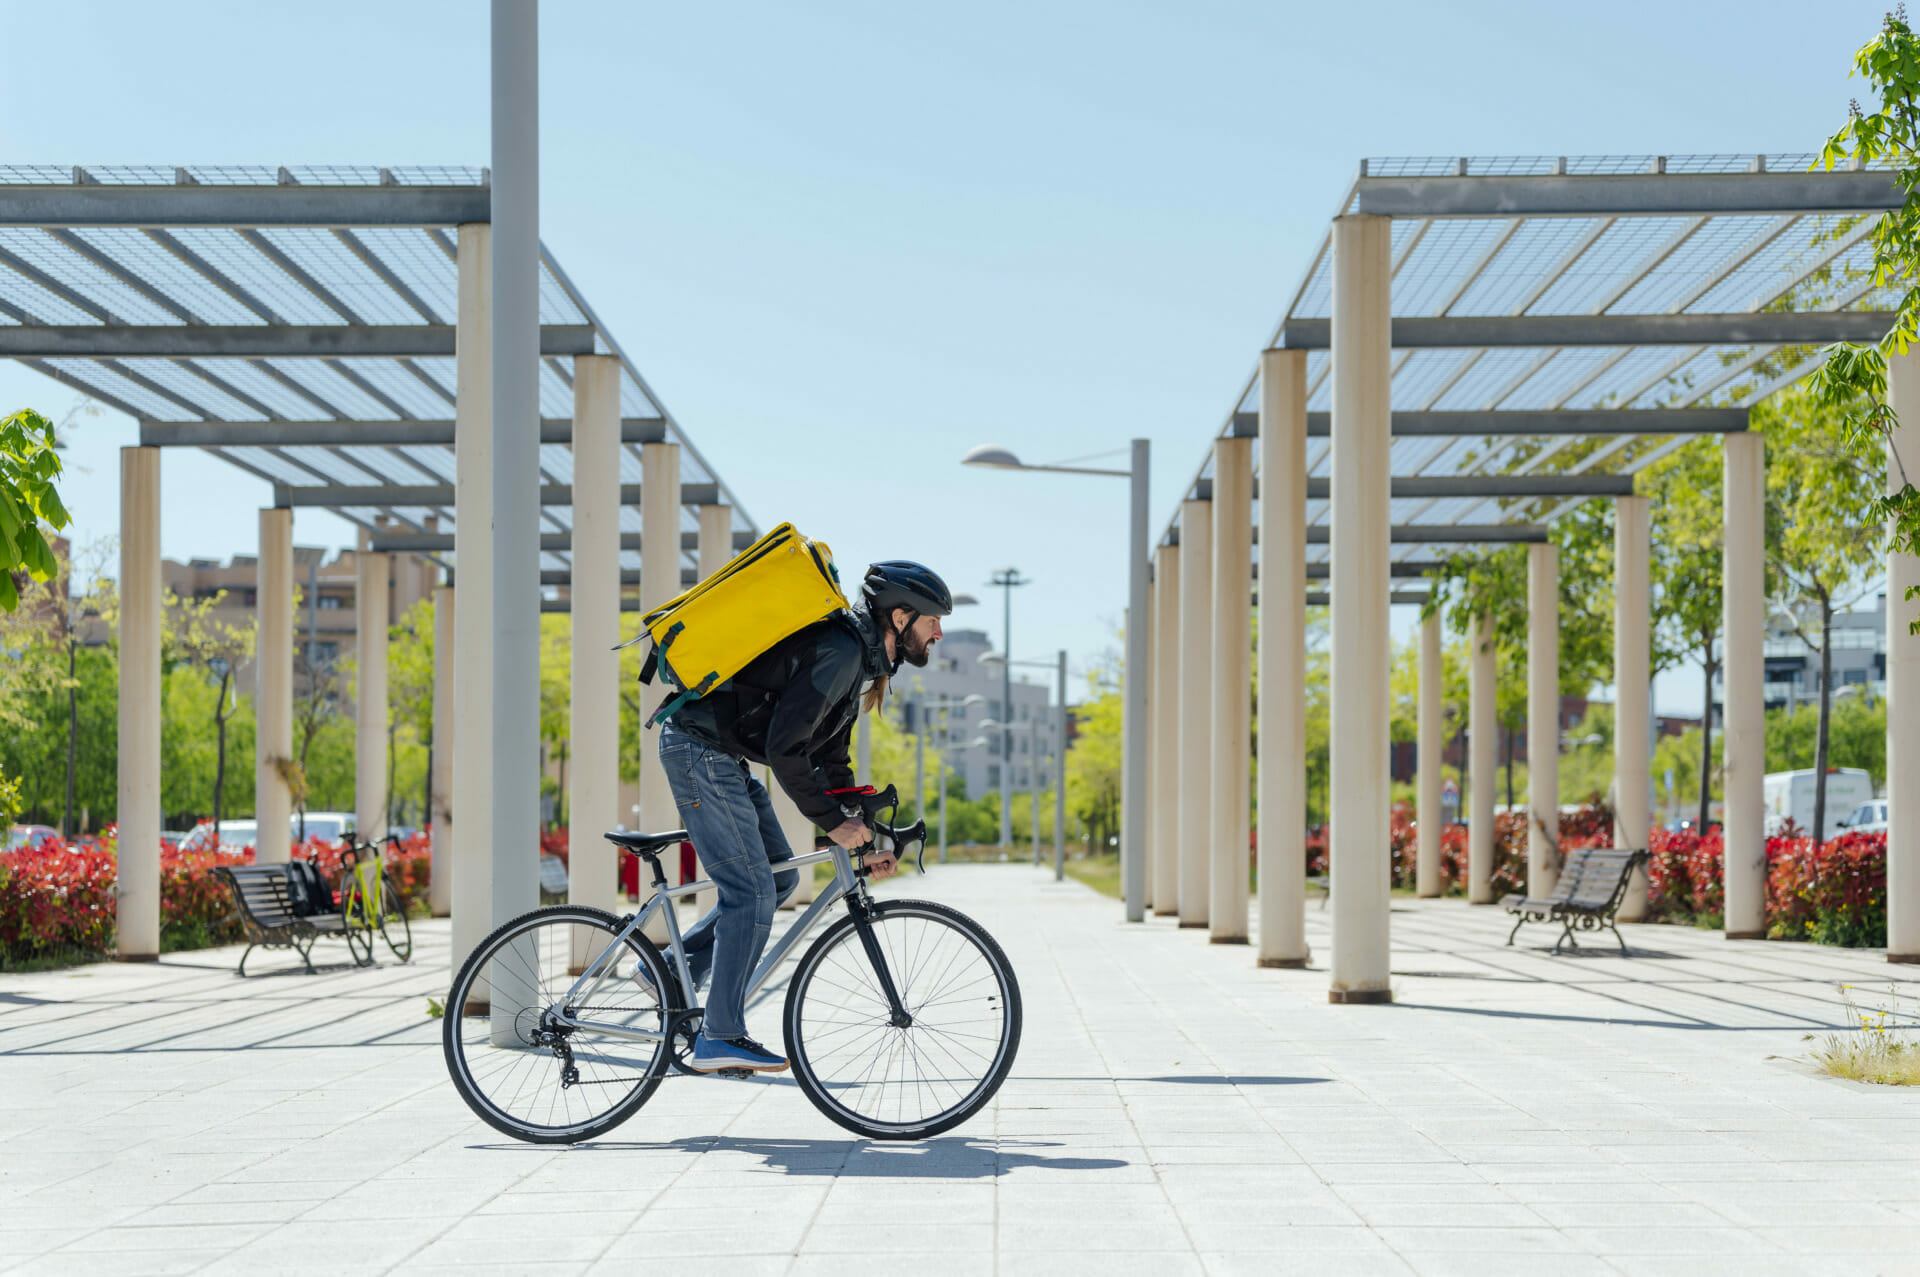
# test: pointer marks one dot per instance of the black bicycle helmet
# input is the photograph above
(900, 583)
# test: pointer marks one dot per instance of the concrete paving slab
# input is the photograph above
(1174, 1109)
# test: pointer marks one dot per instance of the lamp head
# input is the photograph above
(992, 456)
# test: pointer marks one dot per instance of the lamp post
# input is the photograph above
(1006, 579)
(1133, 718)
(1060, 753)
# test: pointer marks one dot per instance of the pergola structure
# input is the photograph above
(1479, 346)
(327, 330)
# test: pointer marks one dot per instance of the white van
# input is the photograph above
(1789, 796)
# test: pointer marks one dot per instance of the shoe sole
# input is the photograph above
(719, 1067)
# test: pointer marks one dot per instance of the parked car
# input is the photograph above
(21, 837)
(1867, 818)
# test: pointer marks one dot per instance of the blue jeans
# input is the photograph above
(730, 819)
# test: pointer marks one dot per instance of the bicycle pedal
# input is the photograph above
(736, 1074)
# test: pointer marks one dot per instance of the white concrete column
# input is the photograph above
(471, 861)
(1165, 808)
(440, 819)
(1483, 758)
(1432, 749)
(1543, 718)
(593, 727)
(370, 692)
(1156, 751)
(1231, 678)
(1903, 680)
(799, 832)
(1283, 658)
(715, 549)
(1361, 869)
(1196, 741)
(1632, 688)
(659, 581)
(137, 887)
(1743, 732)
(273, 689)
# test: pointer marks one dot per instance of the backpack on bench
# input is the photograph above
(777, 586)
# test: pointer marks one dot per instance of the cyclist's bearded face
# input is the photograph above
(916, 642)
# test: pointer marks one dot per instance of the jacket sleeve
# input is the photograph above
(799, 715)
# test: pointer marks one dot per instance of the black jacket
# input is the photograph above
(793, 708)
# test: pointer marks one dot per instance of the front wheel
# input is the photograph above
(861, 1064)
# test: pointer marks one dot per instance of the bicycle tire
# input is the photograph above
(460, 1052)
(924, 977)
(393, 919)
(358, 930)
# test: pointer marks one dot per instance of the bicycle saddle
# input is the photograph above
(647, 844)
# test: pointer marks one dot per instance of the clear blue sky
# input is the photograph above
(847, 242)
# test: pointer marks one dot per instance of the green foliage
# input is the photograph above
(1857, 737)
(28, 467)
(1853, 381)
(9, 798)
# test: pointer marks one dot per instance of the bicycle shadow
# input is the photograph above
(946, 1157)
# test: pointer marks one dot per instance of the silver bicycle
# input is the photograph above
(901, 1020)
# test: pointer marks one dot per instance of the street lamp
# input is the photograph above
(1133, 718)
(1060, 753)
(1007, 579)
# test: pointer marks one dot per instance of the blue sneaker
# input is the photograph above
(711, 1055)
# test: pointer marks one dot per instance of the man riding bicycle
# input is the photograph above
(793, 709)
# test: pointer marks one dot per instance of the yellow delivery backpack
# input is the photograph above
(777, 586)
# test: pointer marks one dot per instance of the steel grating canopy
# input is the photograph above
(298, 324)
(1636, 290)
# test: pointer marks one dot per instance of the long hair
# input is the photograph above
(875, 695)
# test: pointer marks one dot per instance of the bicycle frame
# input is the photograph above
(582, 990)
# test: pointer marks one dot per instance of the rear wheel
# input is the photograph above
(530, 1062)
(359, 926)
(394, 927)
(892, 1080)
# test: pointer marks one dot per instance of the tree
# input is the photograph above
(1686, 571)
(1821, 537)
(28, 467)
(410, 659)
(1852, 382)
(196, 635)
(314, 711)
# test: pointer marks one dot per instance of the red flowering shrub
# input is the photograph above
(1684, 872)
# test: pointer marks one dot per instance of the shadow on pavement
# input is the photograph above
(947, 1157)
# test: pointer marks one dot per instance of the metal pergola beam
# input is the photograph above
(197, 205)
(551, 542)
(626, 604)
(1448, 534)
(1477, 486)
(1563, 421)
(1630, 194)
(258, 341)
(1414, 598)
(347, 496)
(1448, 332)
(1406, 569)
(325, 434)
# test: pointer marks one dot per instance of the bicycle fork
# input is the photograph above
(863, 923)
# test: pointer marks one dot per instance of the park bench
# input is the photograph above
(1592, 884)
(553, 880)
(273, 919)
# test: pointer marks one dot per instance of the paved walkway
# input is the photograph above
(1173, 1109)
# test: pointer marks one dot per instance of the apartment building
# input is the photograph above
(957, 672)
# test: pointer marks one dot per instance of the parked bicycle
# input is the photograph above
(371, 903)
(901, 1020)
